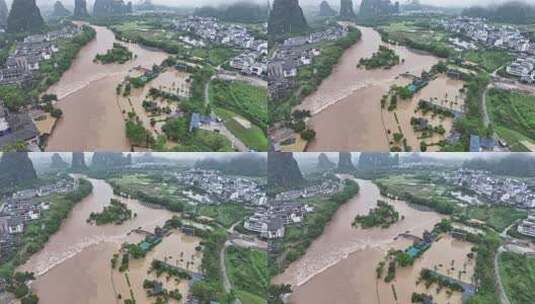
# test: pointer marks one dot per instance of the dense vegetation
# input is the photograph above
(513, 117)
(471, 122)
(484, 271)
(383, 215)
(117, 213)
(247, 271)
(384, 58)
(518, 275)
(117, 54)
(211, 287)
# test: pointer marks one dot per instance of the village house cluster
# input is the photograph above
(507, 37)
(19, 127)
(25, 59)
(23, 207)
(326, 188)
(294, 53)
(287, 208)
(527, 226)
(218, 188)
(492, 188)
(208, 30)
(270, 221)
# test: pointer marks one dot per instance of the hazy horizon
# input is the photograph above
(441, 3)
(172, 3)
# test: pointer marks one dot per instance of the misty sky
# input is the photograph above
(170, 155)
(456, 3)
(186, 3)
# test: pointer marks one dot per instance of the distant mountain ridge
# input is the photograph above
(283, 171)
(326, 10)
(25, 16)
(515, 12)
(286, 17)
(80, 9)
(15, 168)
(60, 10)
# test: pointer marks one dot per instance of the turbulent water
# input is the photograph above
(92, 119)
(346, 107)
(339, 266)
(74, 266)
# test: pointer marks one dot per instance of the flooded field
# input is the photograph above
(442, 91)
(74, 266)
(92, 119)
(169, 81)
(346, 107)
(340, 265)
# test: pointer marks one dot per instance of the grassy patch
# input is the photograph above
(490, 60)
(513, 115)
(247, 100)
(484, 271)
(518, 277)
(226, 214)
(419, 188)
(248, 273)
(253, 137)
(498, 218)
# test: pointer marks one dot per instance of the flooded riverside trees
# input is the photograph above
(147, 230)
(405, 236)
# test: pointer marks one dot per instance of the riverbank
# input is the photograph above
(90, 120)
(60, 207)
(298, 239)
(79, 245)
(351, 97)
(347, 274)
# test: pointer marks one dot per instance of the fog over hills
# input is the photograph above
(175, 3)
(442, 3)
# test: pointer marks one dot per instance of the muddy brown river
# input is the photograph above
(74, 266)
(346, 106)
(339, 266)
(92, 119)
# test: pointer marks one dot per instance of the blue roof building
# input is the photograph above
(195, 121)
(475, 143)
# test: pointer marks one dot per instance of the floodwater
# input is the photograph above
(442, 91)
(339, 266)
(176, 249)
(170, 81)
(92, 119)
(346, 107)
(74, 266)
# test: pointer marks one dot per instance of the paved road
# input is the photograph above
(486, 119)
(501, 290)
(236, 142)
(226, 281)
